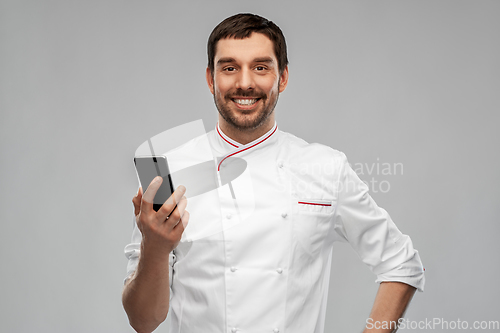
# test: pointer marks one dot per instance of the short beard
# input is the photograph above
(228, 116)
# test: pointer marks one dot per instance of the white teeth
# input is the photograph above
(245, 101)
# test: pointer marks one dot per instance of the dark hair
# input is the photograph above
(242, 26)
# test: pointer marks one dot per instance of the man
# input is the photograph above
(269, 273)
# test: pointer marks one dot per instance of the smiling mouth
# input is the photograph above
(245, 101)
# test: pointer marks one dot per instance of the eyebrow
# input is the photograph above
(264, 60)
(227, 60)
(222, 61)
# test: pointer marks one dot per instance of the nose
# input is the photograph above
(245, 79)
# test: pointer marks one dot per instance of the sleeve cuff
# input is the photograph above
(411, 272)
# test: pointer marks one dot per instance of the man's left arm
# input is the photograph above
(390, 305)
(389, 253)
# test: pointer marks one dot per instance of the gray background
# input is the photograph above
(84, 83)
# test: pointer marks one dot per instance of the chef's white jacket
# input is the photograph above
(258, 256)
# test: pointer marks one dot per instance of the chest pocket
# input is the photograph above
(312, 220)
(315, 206)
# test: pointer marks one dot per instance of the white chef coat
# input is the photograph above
(268, 270)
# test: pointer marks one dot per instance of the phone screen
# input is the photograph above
(149, 167)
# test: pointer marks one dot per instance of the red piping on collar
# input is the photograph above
(225, 138)
(236, 152)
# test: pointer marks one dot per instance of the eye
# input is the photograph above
(260, 68)
(229, 69)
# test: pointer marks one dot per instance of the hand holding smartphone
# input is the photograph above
(160, 217)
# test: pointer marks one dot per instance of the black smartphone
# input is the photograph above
(149, 167)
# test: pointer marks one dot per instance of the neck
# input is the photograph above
(246, 136)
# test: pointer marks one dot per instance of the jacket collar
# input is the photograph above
(231, 147)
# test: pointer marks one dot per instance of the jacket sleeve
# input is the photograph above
(372, 234)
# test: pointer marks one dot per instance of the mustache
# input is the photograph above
(242, 93)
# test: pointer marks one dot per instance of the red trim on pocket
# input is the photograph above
(315, 204)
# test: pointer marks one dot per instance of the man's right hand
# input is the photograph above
(161, 230)
(146, 294)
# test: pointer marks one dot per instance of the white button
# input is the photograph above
(279, 270)
(284, 214)
(280, 164)
(276, 330)
(233, 269)
(228, 216)
(234, 329)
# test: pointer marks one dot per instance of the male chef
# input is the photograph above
(269, 272)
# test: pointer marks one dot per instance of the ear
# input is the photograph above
(283, 80)
(210, 80)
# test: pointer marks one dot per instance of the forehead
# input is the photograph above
(246, 49)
